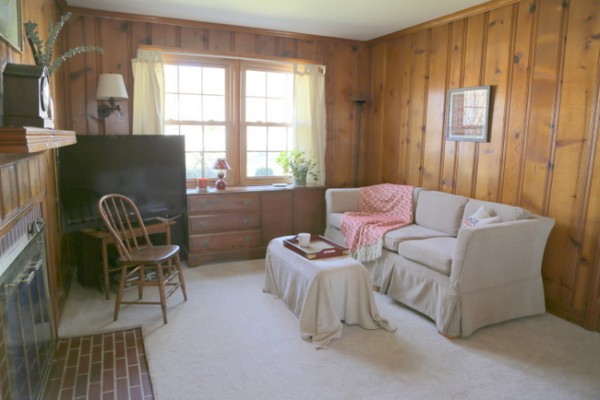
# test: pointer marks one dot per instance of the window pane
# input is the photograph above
(276, 111)
(256, 138)
(213, 108)
(255, 110)
(213, 81)
(171, 78)
(190, 79)
(215, 139)
(172, 107)
(256, 164)
(190, 107)
(193, 137)
(256, 83)
(276, 84)
(277, 139)
(172, 130)
(193, 165)
(273, 166)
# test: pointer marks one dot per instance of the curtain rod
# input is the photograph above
(277, 60)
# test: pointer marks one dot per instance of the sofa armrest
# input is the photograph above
(341, 200)
(499, 254)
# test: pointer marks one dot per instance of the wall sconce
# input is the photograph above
(111, 87)
(221, 165)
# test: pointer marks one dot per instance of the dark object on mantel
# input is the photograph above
(27, 99)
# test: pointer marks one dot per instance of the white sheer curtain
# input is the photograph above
(148, 93)
(309, 93)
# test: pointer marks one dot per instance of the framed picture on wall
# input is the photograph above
(468, 114)
(10, 23)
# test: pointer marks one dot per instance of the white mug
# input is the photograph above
(303, 239)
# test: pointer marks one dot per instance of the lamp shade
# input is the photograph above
(221, 163)
(111, 86)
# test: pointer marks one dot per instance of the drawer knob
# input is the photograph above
(248, 220)
(203, 224)
(247, 202)
(205, 244)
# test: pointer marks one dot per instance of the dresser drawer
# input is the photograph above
(224, 202)
(224, 241)
(223, 222)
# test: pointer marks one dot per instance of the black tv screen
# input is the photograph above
(149, 169)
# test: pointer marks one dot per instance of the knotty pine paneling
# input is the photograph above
(347, 62)
(541, 58)
(31, 178)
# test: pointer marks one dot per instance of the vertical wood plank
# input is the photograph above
(117, 60)
(518, 106)
(374, 133)
(244, 43)
(287, 47)
(574, 155)
(220, 41)
(540, 132)
(455, 74)
(193, 38)
(436, 94)
(496, 74)
(419, 82)
(392, 172)
(474, 50)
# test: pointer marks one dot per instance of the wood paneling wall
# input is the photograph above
(120, 35)
(32, 178)
(542, 58)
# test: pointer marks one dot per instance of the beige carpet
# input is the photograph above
(231, 341)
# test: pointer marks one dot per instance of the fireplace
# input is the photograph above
(27, 338)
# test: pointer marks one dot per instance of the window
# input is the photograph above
(241, 111)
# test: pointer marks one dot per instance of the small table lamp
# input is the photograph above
(221, 165)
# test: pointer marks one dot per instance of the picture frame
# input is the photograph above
(468, 114)
(10, 23)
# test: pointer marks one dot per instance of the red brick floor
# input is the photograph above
(105, 366)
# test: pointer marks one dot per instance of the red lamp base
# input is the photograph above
(220, 183)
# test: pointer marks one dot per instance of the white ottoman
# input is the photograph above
(322, 293)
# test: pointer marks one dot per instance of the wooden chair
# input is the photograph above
(137, 255)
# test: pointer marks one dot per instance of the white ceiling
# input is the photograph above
(348, 19)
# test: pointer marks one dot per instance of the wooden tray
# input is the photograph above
(319, 247)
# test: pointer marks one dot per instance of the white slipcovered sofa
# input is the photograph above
(463, 278)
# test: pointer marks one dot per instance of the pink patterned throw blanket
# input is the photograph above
(382, 208)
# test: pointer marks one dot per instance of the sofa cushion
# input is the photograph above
(440, 211)
(479, 218)
(409, 232)
(434, 253)
(504, 211)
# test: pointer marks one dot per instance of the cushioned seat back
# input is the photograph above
(504, 211)
(440, 211)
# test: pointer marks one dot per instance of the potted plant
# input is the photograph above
(299, 165)
(43, 53)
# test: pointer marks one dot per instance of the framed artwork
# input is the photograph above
(468, 114)
(10, 23)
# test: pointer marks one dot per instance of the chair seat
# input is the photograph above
(153, 255)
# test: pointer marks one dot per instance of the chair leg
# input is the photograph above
(120, 291)
(141, 274)
(161, 292)
(180, 277)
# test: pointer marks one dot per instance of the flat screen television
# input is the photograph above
(149, 169)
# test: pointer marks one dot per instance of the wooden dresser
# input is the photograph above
(238, 223)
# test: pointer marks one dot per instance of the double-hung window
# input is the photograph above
(233, 109)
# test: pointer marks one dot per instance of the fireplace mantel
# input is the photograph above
(31, 139)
